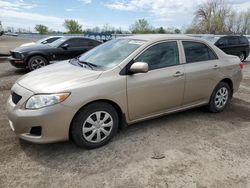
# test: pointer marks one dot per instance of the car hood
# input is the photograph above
(34, 47)
(27, 44)
(59, 77)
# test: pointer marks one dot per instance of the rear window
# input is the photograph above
(196, 52)
(243, 40)
(233, 40)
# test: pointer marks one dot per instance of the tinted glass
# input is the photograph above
(243, 40)
(233, 40)
(52, 39)
(111, 53)
(74, 42)
(160, 55)
(82, 42)
(196, 52)
(223, 41)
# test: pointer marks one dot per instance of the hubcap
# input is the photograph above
(97, 127)
(221, 97)
(37, 63)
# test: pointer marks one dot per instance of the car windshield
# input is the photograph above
(41, 40)
(111, 53)
(58, 42)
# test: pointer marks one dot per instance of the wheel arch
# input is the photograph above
(35, 54)
(230, 84)
(121, 115)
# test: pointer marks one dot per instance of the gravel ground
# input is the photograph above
(197, 150)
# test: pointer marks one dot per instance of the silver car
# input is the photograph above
(121, 82)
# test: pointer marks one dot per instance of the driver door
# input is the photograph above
(162, 87)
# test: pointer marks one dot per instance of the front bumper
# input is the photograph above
(54, 120)
(18, 63)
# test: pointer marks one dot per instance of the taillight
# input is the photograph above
(241, 65)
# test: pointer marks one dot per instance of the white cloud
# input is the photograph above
(18, 14)
(16, 5)
(170, 11)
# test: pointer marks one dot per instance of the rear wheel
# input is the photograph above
(95, 125)
(37, 62)
(242, 56)
(220, 97)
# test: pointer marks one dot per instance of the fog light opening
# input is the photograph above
(36, 131)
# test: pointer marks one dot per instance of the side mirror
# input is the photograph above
(65, 46)
(220, 43)
(139, 67)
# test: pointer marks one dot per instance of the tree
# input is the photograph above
(160, 30)
(72, 26)
(141, 26)
(211, 17)
(42, 29)
(216, 17)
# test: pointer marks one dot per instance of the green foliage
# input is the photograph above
(141, 26)
(72, 26)
(160, 30)
(42, 29)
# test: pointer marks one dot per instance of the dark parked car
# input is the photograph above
(234, 45)
(38, 55)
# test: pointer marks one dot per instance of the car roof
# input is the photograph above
(82, 37)
(157, 37)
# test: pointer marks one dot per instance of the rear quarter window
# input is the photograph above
(196, 52)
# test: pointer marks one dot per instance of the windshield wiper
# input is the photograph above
(91, 65)
(81, 63)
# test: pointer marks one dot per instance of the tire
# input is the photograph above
(220, 97)
(37, 62)
(242, 56)
(85, 126)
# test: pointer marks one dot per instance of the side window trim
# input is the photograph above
(160, 42)
(201, 42)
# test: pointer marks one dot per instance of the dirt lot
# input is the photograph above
(200, 149)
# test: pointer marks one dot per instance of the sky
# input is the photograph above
(91, 13)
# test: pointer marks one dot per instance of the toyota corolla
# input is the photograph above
(126, 80)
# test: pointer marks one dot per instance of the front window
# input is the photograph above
(161, 55)
(58, 42)
(112, 53)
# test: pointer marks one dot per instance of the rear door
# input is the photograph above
(162, 87)
(201, 68)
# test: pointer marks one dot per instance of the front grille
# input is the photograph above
(13, 54)
(15, 97)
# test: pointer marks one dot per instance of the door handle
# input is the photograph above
(216, 67)
(178, 74)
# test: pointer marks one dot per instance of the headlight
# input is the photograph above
(40, 101)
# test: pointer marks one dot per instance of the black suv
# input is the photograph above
(234, 45)
(38, 55)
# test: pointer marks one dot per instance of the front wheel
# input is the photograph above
(94, 125)
(220, 97)
(37, 62)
